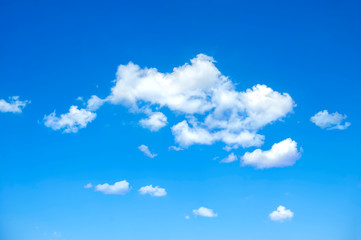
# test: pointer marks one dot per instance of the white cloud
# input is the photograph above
(223, 114)
(154, 122)
(187, 217)
(281, 214)
(204, 212)
(230, 158)
(89, 185)
(323, 119)
(94, 103)
(153, 191)
(118, 188)
(282, 154)
(175, 148)
(71, 121)
(14, 105)
(146, 151)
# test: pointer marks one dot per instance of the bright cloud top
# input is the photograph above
(14, 105)
(146, 151)
(153, 191)
(323, 119)
(230, 158)
(205, 212)
(71, 121)
(118, 188)
(282, 154)
(281, 214)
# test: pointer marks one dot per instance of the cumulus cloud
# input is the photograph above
(230, 158)
(153, 191)
(94, 103)
(323, 119)
(146, 151)
(71, 122)
(89, 185)
(214, 110)
(154, 122)
(14, 105)
(204, 212)
(118, 188)
(282, 154)
(219, 112)
(281, 214)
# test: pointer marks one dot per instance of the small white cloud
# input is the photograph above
(205, 212)
(175, 148)
(281, 214)
(94, 103)
(282, 154)
(146, 151)
(153, 191)
(14, 105)
(71, 121)
(231, 158)
(187, 217)
(323, 119)
(154, 122)
(89, 185)
(118, 188)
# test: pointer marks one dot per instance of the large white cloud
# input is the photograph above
(281, 214)
(219, 112)
(71, 121)
(185, 89)
(323, 119)
(118, 188)
(282, 154)
(13, 106)
(204, 212)
(153, 191)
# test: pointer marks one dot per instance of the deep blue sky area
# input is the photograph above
(52, 52)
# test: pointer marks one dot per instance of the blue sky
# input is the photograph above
(261, 77)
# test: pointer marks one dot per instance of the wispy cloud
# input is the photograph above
(14, 105)
(146, 151)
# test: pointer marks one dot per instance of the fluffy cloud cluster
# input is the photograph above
(14, 105)
(146, 151)
(118, 188)
(218, 111)
(214, 110)
(281, 214)
(282, 154)
(71, 121)
(323, 119)
(204, 212)
(153, 191)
